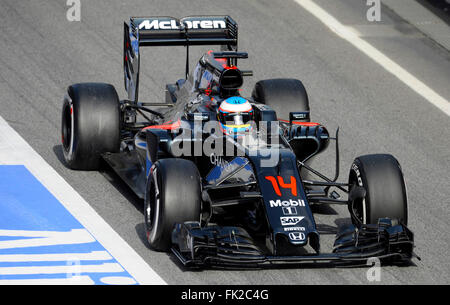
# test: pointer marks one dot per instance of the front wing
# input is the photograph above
(232, 247)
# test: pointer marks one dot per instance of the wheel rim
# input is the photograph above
(359, 205)
(67, 128)
(152, 207)
(359, 208)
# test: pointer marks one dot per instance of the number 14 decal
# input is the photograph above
(276, 186)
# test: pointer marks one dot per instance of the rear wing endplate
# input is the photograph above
(169, 31)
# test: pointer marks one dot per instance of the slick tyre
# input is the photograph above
(173, 195)
(90, 124)
(284, 95)
(385, 190)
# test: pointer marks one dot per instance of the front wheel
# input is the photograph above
(381, 177)
(173, 195)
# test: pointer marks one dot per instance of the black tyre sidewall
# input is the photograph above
(382, 178)
(179, 199)
(284, 95)
(358, 177)
(67, 130)
(95, 122)
(153, 184)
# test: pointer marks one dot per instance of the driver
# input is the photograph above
(234, 115)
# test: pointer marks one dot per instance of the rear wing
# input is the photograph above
(169, 31)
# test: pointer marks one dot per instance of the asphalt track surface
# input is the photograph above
(42, 53)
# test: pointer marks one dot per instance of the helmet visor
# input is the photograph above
(236, 118)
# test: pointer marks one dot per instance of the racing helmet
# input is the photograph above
(234, 115)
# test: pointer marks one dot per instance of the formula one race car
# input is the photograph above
(227, 180)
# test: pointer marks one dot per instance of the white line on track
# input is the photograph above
(392, 67)
(14, 150)
(75, 280)
(27, 270)
(67, 257)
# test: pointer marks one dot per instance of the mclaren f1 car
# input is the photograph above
(227, 180)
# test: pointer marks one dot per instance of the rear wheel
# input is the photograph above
(173, 195)
(90, 124)
(385, 190)
(284, 95)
